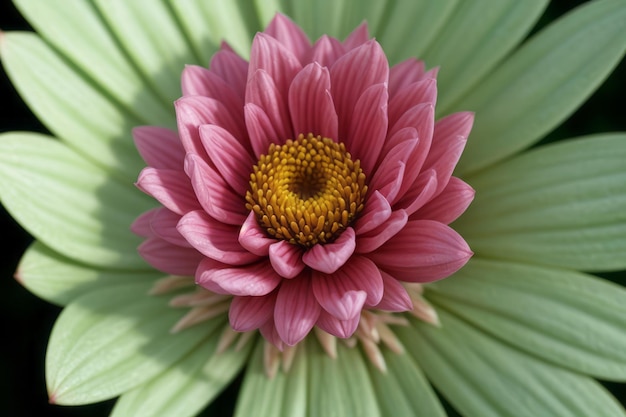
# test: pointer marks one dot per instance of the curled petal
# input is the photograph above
(370, 241)
(253, 237)
(376, 211)
(249, 313)
(296, 310)
(330, 257)
(254, 280)
(286, 259)
(159, 147)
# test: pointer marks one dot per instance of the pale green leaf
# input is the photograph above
(113, 340)
(569, 318)
(403, 390)
(76, 30)
(562, 205)
(474, 39)
(60, 280)
(69, 204)
(482, 377)
(70, 105)
(187, 386)
(543, 82)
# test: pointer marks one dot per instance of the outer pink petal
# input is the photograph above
(376, 211)
(199, 81)
(290, 35)
(395, 298)
(249, 313)
(255, 280)
(213, 193)
(423, 251)
(286, 259)
(336, 327)
(329, 257)
(232, 160)
(253, 237)
(392, 169)
(261, 130)
(344, 293)
(422, 191)
(171, 188)
(159, 147)
(371, 241)
(296, 310)
(231, 68)
(357, 37)
(326, 51)
(449, 204)
(170, 258)
(424, 91)
(141, 225)
(403, 74)
(311, 104)
(163, 224)
(216, 240)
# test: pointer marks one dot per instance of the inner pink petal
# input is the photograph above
(370, 241)
(286, 259)
(449, 204)
(329, 257)
(253, 237)
(376, 211)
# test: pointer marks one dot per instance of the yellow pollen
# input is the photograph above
(306, 191)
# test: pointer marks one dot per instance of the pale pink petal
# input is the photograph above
(326, 51)
(424, 91)
(255, 279)
(159, 147)
(171, 188)
(344, 293)
(357, 37)
(253, 237)
(296, 310)
(311, 104)
(232, 160)
(376, 211)
(329, 257)
(168, 257)
(423, 190)
(249, 313)
(340, 328)
(231, 68)
(368, 126)
(370, 241)
(403, 74)
(286, 259)
(449, 204)
(213, 193)
(163, 225)
(395, 298)
(290, 35)
(199, 81)
(214, 239)
(141, 225)
(423, 251)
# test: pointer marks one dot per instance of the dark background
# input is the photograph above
(26, 321)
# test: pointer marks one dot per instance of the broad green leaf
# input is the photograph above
(76, 30)
(482, 377)
(70, 105)
(340, 387)
(60, 280)
(543, 82)
(113, 340)
(403, 390)
(71, 205)
(569, 318)
(562, 205)
(474, 39)
(187, 386)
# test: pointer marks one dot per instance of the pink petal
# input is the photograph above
(286, 259)
(376, 211)
(163, 224)
(329, 257)
(171, 188)
(296, 310)
(249, 313)
(368, 126)
(216, 240)
(253, 237)
(370, 241)
(198, 81)
(421, 117)
(159, 147)
(255, 280)
(261, 130)
(449, 204)
(336, 327)
(311, 104)
(344, 293)
(170, 258)
(232, 160)
(420, 92)
(357, 37)
(290, 35)
(423, 251)
(269, 332)
(326, 51)
(390, 175)
(141, 225)
(213, 193)
(231, 68)
(403, 74)
(421, 192)
(395, 298)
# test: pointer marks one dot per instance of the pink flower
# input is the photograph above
(310, 183)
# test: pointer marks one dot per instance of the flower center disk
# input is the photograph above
(306, 191)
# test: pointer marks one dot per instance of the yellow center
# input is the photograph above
(306, 191)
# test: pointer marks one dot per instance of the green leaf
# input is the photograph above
(77, 31)
(561, 205)
(482, 377)
(113, 340)
(474, 39)
(60, 280)
(70, 105)
(283, 395)
(569, 318)
(403, 390)
(69, 204)
(543, 82)
(185, 387)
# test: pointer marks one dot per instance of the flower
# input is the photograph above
(523, 331)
